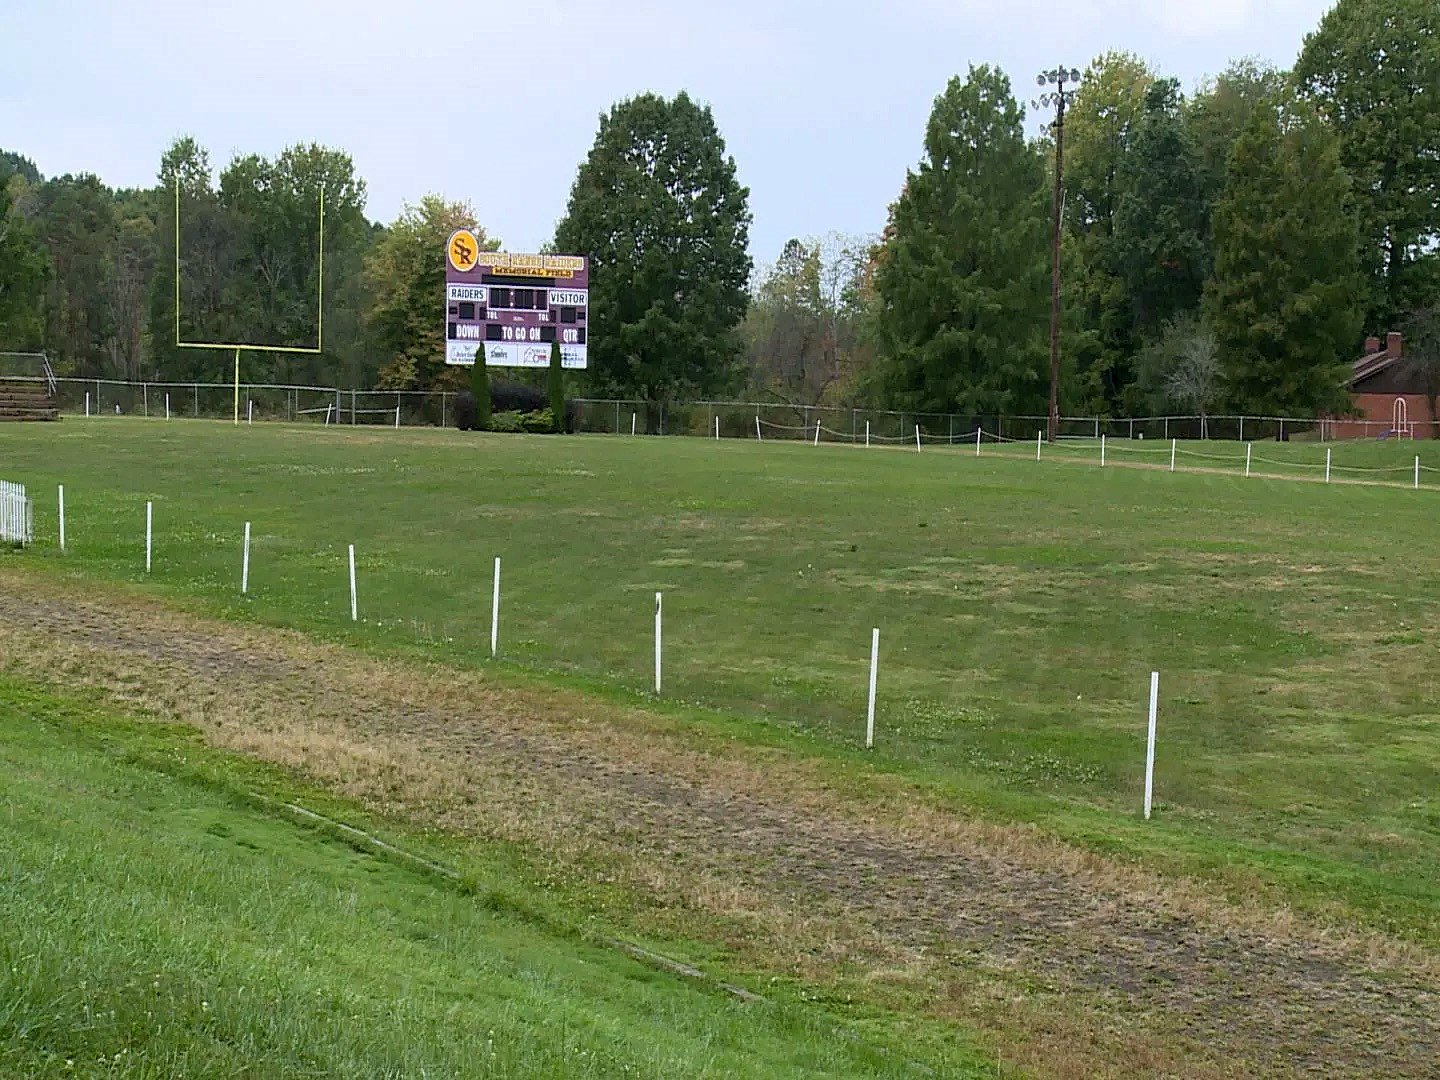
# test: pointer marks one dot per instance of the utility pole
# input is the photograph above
(1065, 82)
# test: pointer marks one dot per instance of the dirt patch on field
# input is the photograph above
(1075, 965)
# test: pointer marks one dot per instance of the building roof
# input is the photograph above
(1376, 359)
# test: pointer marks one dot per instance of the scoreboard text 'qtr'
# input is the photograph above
(514, 306)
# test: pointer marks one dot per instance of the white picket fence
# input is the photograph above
(17, 514)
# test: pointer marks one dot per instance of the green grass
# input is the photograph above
(1022, 607)
(155, 922)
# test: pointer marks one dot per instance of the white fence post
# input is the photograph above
(874, 671)
(1150, 741)
(978, 430)
(632, 423)
(1417, 472)
(354, 608)
(148, 521)
(249, 411)
(62, 518)
(1037, 445)
(867, 432)
(657, 641)
(917, 438)
(167, 406)
(757, 428)
(245, 564)
(87, 404)
(1102, 451)
(1327, 464)
(397, 417)
(717, 427)
(1172, 455)
(495, 611)
(1248, 448)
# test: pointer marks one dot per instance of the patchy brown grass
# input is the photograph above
(1074, 965)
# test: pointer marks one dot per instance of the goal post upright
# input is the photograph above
(240, 347)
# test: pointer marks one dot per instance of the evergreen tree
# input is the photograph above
(1284, 300)
(962, 278)
(658, 209)
(1159, 250)
(480, 388)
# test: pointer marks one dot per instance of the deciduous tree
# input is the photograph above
(1100, 129)
(24, 270)
(1373, 68)
(405, 277)
(657, 207)
(803, 326)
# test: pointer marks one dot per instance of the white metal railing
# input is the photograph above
(22, 365)
(17, 514)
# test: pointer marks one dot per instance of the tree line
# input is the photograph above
(1227, 249)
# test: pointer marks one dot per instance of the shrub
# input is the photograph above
(537, 421)
(540, 421)
(508, 421)
(510, 396)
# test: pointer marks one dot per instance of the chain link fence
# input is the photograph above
(709, 419)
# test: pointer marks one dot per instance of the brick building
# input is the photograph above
(1389, 396)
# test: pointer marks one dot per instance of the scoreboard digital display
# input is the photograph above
(511, 308)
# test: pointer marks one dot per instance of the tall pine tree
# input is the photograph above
(1159, 250)
(961, 282)
(1285, 299)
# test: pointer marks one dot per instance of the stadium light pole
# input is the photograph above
(1063, 82)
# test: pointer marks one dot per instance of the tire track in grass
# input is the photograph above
(1116, 973)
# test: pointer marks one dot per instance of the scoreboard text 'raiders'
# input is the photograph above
(513, 307)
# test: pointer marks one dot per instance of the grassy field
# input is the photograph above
(158, 921)
(1021, 605)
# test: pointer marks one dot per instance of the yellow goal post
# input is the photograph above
(240, 347)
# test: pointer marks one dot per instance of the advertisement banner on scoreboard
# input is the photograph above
(514, 305)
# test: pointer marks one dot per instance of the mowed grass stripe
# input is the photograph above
(156, 924)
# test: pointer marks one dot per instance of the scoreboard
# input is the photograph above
(511, 308)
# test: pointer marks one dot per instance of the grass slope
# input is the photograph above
(1022, 607)
(155, 923)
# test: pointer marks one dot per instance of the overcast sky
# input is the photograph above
(822, 104)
